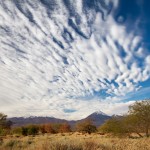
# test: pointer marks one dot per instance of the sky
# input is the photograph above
(70, 58)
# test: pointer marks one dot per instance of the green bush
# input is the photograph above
(17, 130)
(4, 132)
(32, 129)
(24, 131)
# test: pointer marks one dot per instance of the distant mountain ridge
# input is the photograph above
(97, 118)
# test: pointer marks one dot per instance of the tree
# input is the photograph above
(115, 126)
(132, 124)
(4, 123)
(86, 127)
(140, 111)
(3, 118)
(136, 121)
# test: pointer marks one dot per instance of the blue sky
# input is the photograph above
(70, 58)
(137, 13)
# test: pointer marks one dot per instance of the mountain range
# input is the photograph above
(97, 118)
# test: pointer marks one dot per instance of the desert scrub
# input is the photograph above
(1, 141)
(74, 142)
(90, 145)
(12, 143)
(64, 146)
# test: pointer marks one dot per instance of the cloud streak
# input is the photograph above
(55, 54)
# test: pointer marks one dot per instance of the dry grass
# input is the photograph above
(73, 141)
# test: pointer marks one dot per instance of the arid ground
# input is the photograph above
(73, 141)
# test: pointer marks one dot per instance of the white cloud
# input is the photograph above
(41, 73)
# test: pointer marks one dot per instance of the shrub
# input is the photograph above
(47, 128)
(90, 145)
(86, 127)
(32, 129)
(64, 128)
(56, 127)
(1, 141)
(64, 146)
(24, 131)
(11, 143)
(4, 132)
(17, 130)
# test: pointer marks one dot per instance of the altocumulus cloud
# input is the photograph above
(68, 59)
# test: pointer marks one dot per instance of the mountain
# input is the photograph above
(97, 118)
(20, 121)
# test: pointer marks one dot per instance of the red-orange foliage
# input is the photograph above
(64, 128)
(46, 128)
